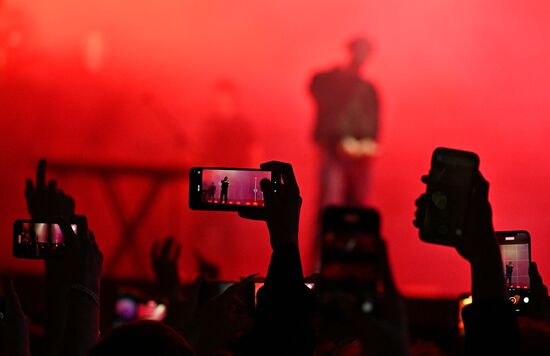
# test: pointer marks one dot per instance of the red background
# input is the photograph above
(467, 74)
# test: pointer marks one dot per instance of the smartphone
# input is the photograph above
(349, 260)
(228, 189)
(40, 239)
(449, 191)
(515, 249)
(131, 305)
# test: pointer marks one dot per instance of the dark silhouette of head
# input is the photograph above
(359, 49)
(143, 337)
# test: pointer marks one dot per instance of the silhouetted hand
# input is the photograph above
(47, 201)
(478, 244)
(539, 306)
(14, 325)
(282, 208)
(165, 259)
(224, 318)
(83, 257)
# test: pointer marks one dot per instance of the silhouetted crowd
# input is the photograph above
(284, 318)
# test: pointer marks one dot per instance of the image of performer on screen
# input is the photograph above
(509, 271)
(211, 192)
(225, 189)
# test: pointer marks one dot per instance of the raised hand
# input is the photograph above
(479, 233)
(282, 207)
(165, 259)
(84, 261)
(47, 201)
(478, 244)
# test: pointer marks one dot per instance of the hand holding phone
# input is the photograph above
(46, 201)
(283, 204)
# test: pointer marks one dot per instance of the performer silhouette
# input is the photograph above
(225, 188)
(346, 128)
(211, 191)
(509, 270)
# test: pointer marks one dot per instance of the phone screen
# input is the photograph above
(349, 262)
(226, 189)
(449, 189)
(516, 255)
(33, 239)
(130, 307)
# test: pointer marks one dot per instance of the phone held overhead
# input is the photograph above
(448, 193)
(228, 189)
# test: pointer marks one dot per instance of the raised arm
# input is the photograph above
(490, 319)
(46, 201)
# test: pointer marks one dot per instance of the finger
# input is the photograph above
(176, 254)
(29, 188)
(154, 251)
(52, 185)
(66, 204)
(267, 190)
(166, 248)
(41, 175)
(289, 179)
(272, 201)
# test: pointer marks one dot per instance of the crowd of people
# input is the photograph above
(286, 318)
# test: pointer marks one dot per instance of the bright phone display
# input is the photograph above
(42, 239)
(515, 249)
(229, 189)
